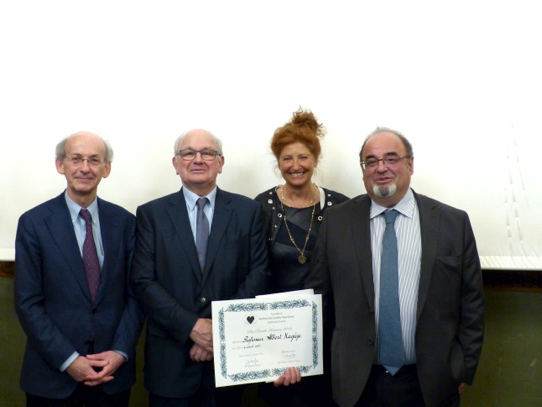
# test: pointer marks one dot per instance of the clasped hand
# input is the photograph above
(82, 368)
(202, 335)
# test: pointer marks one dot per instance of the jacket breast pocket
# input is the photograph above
(449, 264)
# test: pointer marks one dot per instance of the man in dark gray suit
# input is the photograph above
(72, 295)
(438, 291)
(193, 247)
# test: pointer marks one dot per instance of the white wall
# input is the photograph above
(460, 79)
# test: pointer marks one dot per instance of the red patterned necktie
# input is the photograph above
(90, 257)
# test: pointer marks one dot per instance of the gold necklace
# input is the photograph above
(302, 259)
(282, 199)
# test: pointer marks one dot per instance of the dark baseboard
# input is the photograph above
(509, 280)
(513, 280)
(7, 268)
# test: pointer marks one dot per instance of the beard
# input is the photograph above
(384, 191)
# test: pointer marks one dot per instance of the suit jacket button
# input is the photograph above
(370, 342)
(203, 300)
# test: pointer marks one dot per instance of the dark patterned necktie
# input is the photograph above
(202, 232)
(90, 257)
(390, 336)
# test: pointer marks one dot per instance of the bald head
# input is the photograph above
(179, 141)
(60, 151)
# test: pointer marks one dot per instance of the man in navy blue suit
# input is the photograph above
(178, 271)
(72, 293)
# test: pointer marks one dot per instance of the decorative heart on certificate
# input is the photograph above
(250, 319)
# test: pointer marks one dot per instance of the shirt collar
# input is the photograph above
(75, 208)
(191, 198)
(405, 206)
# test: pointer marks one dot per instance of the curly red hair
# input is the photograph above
(302, 128)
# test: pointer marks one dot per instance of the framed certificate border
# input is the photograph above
(259, 305)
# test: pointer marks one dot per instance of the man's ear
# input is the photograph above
(107, 170)
(60, 166)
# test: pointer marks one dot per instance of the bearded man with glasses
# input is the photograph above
(401, 274)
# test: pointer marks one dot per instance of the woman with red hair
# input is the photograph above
(293, 213)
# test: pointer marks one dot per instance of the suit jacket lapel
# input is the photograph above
(429, 229)
(361, 235)
(221, 217)
(60, 225)
(179, 217)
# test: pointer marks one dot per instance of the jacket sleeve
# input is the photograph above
(471, 328)
(130, 324)
(42, 332)
(257, 278)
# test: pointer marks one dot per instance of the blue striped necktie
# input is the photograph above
(390, 338)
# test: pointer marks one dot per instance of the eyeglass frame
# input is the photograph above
(201, 152)
(392, 156)
(78, 161)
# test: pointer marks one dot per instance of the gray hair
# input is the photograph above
(60, 151)
(179, 140)
(381, 129)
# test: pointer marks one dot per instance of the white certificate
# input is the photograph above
(255, 340)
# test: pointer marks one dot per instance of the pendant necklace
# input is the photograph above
(302, 259)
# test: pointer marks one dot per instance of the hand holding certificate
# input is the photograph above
(255, 340)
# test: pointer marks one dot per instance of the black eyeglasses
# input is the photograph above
(206, 154)
(390, 160)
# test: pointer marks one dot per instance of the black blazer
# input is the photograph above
(174, 291)
(450, 315)
(53, 302)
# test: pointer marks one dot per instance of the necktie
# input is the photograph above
(389, 326)
(202, 232)
(90, 257)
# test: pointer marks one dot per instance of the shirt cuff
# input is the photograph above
(69, 361)
(123, 354)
